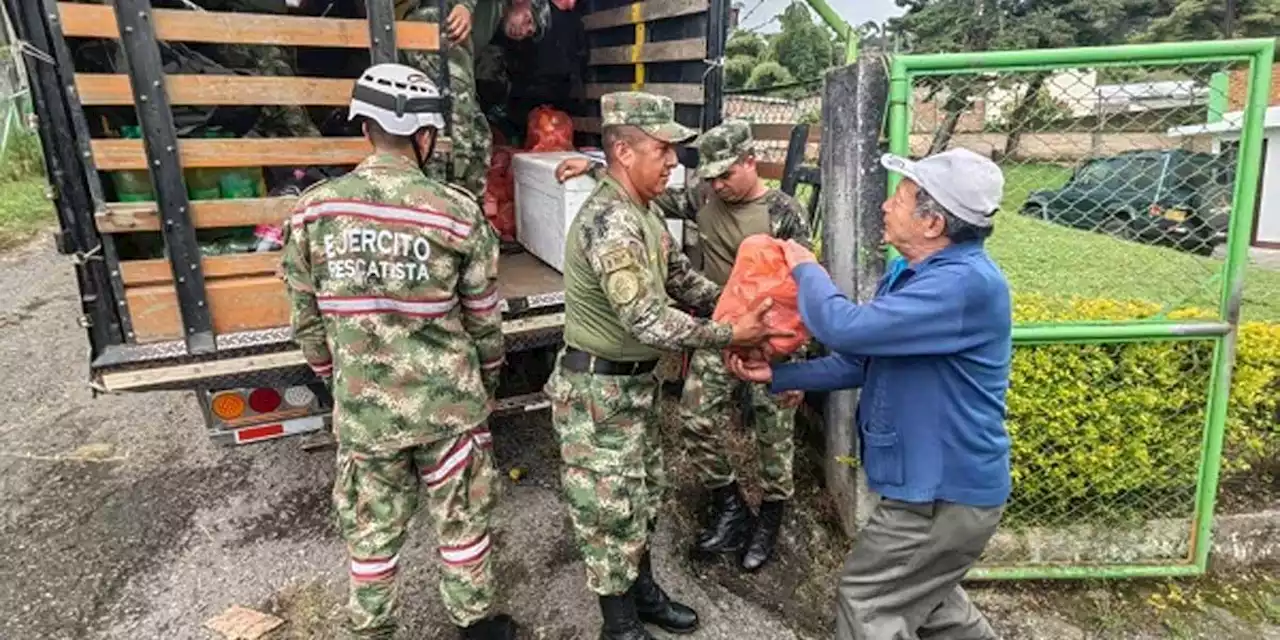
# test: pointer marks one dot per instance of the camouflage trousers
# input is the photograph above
(375, 499)
(612, 474)
(471, 141)
(709, 395)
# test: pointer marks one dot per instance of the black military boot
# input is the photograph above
(730, 521)
(620, 619)
(499, 627)
(656, 608)
(765, 536)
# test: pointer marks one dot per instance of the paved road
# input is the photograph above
(118, 519)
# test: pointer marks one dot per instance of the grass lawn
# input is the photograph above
(1054, 260)
(23, 210)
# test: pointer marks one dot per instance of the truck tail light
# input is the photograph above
(264, 400)
(228, 405)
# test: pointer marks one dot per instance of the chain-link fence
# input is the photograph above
(1121, 187)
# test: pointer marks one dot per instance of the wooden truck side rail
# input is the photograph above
(232, 293)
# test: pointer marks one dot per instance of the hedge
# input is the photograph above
(1115, 431)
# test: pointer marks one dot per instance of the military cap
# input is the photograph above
(722, 146)
(652, 114)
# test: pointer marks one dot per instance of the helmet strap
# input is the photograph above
(419, 155)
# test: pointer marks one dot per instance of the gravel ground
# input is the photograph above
(119, 519)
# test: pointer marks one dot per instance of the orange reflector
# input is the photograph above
(228, 405)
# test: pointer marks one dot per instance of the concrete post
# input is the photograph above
(854, 105)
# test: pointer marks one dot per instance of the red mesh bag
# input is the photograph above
(500, 194)
(549, 130)
(760, 271)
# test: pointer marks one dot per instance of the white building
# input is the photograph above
(1266, 215)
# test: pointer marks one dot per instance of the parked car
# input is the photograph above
(1170, 197)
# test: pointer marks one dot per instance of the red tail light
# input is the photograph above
(264, 400)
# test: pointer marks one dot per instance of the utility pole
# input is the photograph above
(1229, 23)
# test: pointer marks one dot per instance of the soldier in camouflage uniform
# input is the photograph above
(393, 277)
(470, 25)
(729, 202)
(622, 271)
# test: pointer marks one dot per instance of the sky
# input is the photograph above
(854, 12)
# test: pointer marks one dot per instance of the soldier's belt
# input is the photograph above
(583, 362)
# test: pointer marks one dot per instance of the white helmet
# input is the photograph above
(398, 97)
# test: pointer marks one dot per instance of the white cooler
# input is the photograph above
(545, 208)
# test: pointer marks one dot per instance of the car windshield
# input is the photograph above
(1121, 173)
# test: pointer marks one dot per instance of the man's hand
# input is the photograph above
(572, 168)
(797, 255)
(790, 399)
(459, 24)
(751, 329)
(750, 370)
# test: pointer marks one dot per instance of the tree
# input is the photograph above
(737, 71)
(803, 47)
(983, 25)
(769, 74)
(746, 43)
(1207, 19)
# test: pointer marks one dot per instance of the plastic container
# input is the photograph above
(546, 203)
(544, 206)
(241, 182)
(202, 184)
(134, 185)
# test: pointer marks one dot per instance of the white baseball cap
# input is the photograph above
(968, 185)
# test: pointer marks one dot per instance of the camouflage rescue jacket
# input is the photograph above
(393, 283)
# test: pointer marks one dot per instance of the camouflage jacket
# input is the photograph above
(622, 269)
(787, 219)
(393, 283)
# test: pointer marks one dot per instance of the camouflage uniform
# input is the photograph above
(470, 138)
(709, 392)
(621, 270)
(393, 281)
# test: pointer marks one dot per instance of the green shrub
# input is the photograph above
(769, 74)
(745, 43)
(1115, 430)
(22, 156)
(737, 71)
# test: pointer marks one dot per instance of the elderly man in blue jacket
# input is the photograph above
(931, 353)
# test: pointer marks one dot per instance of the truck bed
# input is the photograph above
(532, 294)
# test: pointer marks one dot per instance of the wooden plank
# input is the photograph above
(681, 93)
(182, 25)
(669, 51)
(769, 170)
(145, 272)
(119, 154)
(643, 12)
(127, 217)
(783, 132)
(240, 304)
(586, 125)
(99, 89)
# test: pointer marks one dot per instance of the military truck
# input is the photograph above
(168, 302)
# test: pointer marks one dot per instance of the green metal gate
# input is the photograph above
(1131, 184)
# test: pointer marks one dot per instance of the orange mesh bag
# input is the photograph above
(760, 271)
(549, 130)
(500, 194)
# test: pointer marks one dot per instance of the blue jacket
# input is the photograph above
(931, 352)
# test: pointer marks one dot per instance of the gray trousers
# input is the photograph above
(902, 579)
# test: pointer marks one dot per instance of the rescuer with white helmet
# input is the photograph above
(392, 277)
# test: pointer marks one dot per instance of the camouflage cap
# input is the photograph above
(652, 114)
(722, 146)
